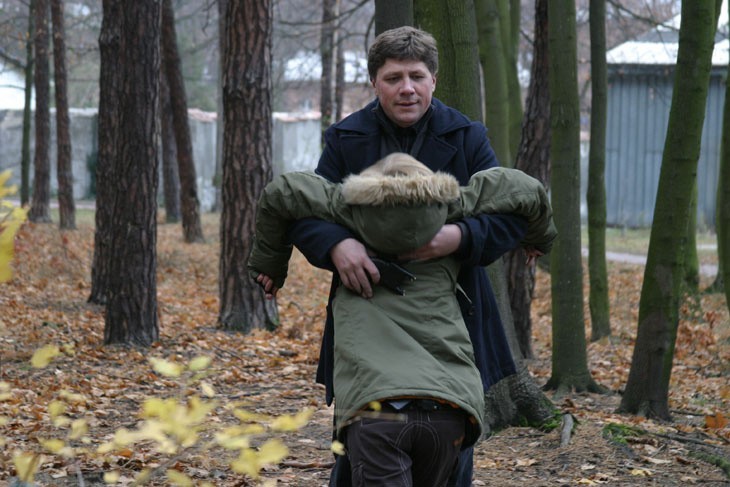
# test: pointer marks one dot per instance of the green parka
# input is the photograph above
(393, 346)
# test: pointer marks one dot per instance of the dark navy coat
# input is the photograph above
(453, 144)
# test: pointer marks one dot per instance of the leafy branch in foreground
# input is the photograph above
(174, 429)
(11, 218)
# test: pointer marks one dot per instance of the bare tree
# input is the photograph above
(189, 202)
(40, 202)
(64, 169)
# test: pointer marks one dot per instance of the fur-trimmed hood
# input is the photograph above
(399, 204)
(399, 179)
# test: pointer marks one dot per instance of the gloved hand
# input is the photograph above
(392, 275)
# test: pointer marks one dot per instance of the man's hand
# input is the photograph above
(445, 242)
(354, 266)
(267, 284)
(532, 255)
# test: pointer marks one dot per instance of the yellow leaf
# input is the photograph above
(5, 391)
(165, 367)
(11, 218)
(26, 465)
(375, 405)
(199, 363)
(53, 445)
(143, 476)
(44, 355)
(78, 429)
(337, 448)
(207, 389)
(587, 482)
(247, 463)
(292, 423)
(248, 416)
(179, 478)
(641, 472)
(72, 397)
(111, 477)
(56, 408)
(272, 451)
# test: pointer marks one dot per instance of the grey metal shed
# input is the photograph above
(640, 79)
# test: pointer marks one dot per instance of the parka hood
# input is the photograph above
(398, 203)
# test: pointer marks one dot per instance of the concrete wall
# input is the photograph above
(296, 146)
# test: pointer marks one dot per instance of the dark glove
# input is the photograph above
(392, 275)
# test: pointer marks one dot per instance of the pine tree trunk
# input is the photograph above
(131, 308)
(533, 157)
(390, 14)
(596, 193)
(25, 148)
(170, 173)
(647, 389)
(340, 81)
(569, 362)
(108, 132)
(40, 202)
(189, 203)
(64, 171)
(507, 18)
(246, 159)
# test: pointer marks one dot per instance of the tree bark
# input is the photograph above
(170, 172)
(596, 193)
(453, 25)
(340, 81)
(40, 202)
(327, 50)
(569, 362)
(64, 169)
(189, 203)
(25, 148)
(647, 389)
(533, 157)
(246, 159)
(517, 398)
(509, 10)
(722, 217)
(390, 14)
(494, 74)
(131, 308)
(108, 132)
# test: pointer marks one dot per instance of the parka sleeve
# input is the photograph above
(289, 197)
(504, 190)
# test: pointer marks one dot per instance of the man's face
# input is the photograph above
(404, 89)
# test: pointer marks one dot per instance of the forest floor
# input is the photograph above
(272, 373)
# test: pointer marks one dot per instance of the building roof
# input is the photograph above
(660, 45)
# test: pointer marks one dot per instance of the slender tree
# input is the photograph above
(722, 215)
(246, 159)
(64, 169)
(647, 389)
(596, 191)
(40, 202)
(569, 362)
(108, 133)
(509, 14)
(494, 75)
(131, 308)
(170, 167)
(518, 398)
(691, 276)
(328, 54)
(189, 203)
(390, 14)
(25, 147)
(533, 157)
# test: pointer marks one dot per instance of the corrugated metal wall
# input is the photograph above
(639, 98)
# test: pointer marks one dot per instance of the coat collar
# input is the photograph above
(362, 142)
